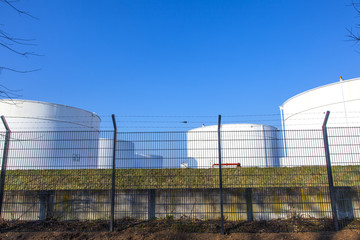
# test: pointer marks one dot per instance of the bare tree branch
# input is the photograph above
(17, 10)
(8, 94)
(12, 90)
(21, 41)
(10, 43)
(356, 6)
(7, 41)
(18, 71)
(25, 54)
(354, 36)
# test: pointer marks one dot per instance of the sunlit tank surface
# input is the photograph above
(148, 161)
(303, 116)
(124, 154)
(126, 157)
(49, 136)
(250, 145)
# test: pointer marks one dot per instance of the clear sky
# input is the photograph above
(191, 57)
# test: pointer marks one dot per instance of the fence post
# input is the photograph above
(329, 172)
(249, 204)
(113, 176)
(220, 176)
(4, 162)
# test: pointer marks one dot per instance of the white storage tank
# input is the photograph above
(302, 119)
(148, 161)
(126, 157)
(124, 153)
(49, 136)
(306, 110)
(250, 145)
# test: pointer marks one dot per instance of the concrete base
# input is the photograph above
(239, 204)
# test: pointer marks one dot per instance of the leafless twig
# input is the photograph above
(11, 43)
(354, 36)
(17, 9)
(18, 71)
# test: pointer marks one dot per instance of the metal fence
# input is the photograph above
(259, 174)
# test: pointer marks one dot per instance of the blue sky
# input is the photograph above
(191, 57)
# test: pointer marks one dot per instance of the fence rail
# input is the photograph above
(266, 174)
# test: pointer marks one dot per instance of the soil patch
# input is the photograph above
(127, 228)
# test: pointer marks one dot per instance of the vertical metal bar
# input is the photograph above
(329, 172)
(283, 130)
(265, 146)
(249, 204)
(113, 176)
(4, 162)
(220, 177)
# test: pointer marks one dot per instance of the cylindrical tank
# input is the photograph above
(303, 116)
(124, 153)
(125, 156)
(250, 145)
(148, 161)
(49, 136)
(306, 110)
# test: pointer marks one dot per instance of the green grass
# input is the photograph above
(179, 178)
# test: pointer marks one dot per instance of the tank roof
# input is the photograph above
(316, 88)
(47, 103)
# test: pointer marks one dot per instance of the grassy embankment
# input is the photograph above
(179, 178)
